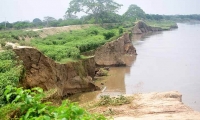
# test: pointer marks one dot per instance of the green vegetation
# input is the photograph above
(27, 105)
(63, 46)
(164, 24)
(97, 11)
(106, 100)
(11, 71)
(100, 9)
(16, 36)
(175, 18)
(133, 13)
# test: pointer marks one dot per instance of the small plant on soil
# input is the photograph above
(106, 100)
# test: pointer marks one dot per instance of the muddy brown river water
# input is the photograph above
(166, 61)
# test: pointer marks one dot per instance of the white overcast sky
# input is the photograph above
(20, 10)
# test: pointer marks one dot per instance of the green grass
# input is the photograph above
(164, 24)
(69, 45)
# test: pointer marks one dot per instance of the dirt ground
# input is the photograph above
(151, 106)
(44, 32)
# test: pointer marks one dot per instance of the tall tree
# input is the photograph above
(48, 20)
(69, 16)
(134, 12)
(93, 7)
(37, 20)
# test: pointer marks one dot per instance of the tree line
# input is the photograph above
(96, 12)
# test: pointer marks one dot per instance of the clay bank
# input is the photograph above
(72, 77)
(76, 77)
(41, 71)
(142, 27)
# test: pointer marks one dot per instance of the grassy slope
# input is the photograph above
(16, 36)
(69, 45)
(164, 24)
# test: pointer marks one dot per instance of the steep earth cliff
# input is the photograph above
(67, 78)
(114, 53)
(142, 27)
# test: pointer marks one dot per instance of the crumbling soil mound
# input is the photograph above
(142, 27)
(70, 78)
(114, 53)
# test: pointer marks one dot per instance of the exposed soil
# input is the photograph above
(74, 77)
(69, 78)
(114, 53)
(142, 27)
(151, 106)
(44, 32)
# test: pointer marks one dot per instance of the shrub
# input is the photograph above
(108, 35)
(7, 55)
(95, 32)
(15, 37)
(2, 43)
(29, 106)
(9, 47)
(107, 100)
(10, 71)
(121, 30)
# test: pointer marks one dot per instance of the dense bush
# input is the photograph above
(121, 30)
(10, 71)
(27, 105)
(108, 35)
(72, 44)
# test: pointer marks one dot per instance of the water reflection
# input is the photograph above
(141, 37)
(114, 83)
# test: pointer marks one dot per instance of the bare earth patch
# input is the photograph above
(151, 106)
(44, 32)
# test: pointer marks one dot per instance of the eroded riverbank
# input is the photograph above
(166, 61)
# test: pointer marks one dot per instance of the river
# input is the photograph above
(166, 61)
